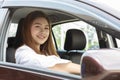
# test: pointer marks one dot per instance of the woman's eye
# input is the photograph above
(37, 26)
(47, 28)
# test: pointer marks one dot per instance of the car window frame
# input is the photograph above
(61, 9)
(5, 19)
(56, 74)
(25, 71)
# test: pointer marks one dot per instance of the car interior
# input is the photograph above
(73, 46)
(75, 41)
(14, 43)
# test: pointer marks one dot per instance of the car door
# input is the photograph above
(74, 10)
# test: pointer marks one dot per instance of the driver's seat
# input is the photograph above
(14, 43)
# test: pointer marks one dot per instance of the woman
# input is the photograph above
(38, 49)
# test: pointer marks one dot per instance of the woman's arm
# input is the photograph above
(67, 67)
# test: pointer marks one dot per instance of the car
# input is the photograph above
(82, 30)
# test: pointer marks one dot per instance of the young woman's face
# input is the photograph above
(40, 30)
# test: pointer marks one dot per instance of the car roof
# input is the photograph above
(102, 6)
(97, 4)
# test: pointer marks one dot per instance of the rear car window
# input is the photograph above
(60, 30)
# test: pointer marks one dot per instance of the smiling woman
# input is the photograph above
(37, 55)
(38, 49)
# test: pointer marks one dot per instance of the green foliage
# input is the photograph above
(57, 33)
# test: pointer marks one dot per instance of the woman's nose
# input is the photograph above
(41, 29)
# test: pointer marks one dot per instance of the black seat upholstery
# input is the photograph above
(14, 43)
(10, 50)
(75, 40)
(75, 43)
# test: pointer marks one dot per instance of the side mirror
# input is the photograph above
(101, 64)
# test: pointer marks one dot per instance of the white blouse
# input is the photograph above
(26, 56)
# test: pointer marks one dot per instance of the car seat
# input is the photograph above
(14, 43)
(75, 43)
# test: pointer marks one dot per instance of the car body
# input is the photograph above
(105, 24)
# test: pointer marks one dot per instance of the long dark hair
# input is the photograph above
(48, 47)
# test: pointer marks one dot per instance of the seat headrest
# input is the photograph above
(17, 40)
(75, 40)
(11, 41)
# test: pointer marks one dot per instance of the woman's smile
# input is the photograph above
(41, 36)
